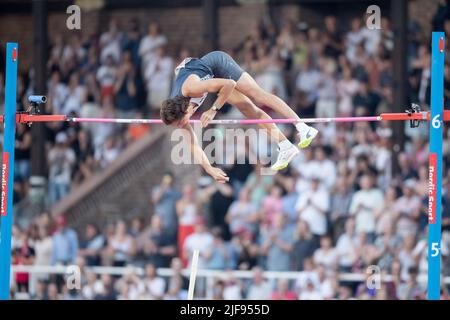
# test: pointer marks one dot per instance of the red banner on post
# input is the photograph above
(432, 188)
(5, 169)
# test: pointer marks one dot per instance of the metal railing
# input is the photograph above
(209, 276)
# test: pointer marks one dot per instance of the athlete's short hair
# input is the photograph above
(174, 109)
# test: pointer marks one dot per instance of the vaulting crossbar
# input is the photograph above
(420, 116)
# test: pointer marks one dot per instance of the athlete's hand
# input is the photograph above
(207, 116)
(218, 174)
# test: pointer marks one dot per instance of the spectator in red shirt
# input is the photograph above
(23, 255)
(282, 291)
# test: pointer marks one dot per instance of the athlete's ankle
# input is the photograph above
(285, 144)
(301, 127)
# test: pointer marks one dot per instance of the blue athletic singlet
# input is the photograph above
(184, 70)
(216, 64)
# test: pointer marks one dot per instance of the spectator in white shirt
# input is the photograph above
(362, 148)
(108, 152)
(201, 240)
(233, 288)
(269, 71)
(242, 214)
(158, 75)
(326, 255)
(364, 204)
(93, 286)
(347, 87)
(383, 161)
(420, 253)
(130, 286)
(76, 95)
(324, 168)
(73, 52)
(57, 93)
(90, 109)
(326, 286)
(406, 256)
(110, 43)
(310, 292)
(106, 76)
(312, 206)
(101, 131)
(354, 38)
(327, 90)
(346, 247)
(303, 165)
(150, 42)
(43, 247)
(259, 288)
(307, 81)
(155, 286)
(408, 207)
(372, 39)
(309, 274)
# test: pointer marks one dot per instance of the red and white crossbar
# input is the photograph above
(425, 116)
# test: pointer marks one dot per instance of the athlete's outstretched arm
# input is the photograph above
(200, 156)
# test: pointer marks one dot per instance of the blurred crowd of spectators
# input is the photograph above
(120, 73)
(340, 207)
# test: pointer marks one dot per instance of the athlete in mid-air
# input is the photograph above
(217, 72)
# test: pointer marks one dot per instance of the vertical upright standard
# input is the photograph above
(435, 165)
(6, 206)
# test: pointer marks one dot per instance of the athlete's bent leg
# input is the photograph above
(287, 150)
(250, 111)
(248, 86)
